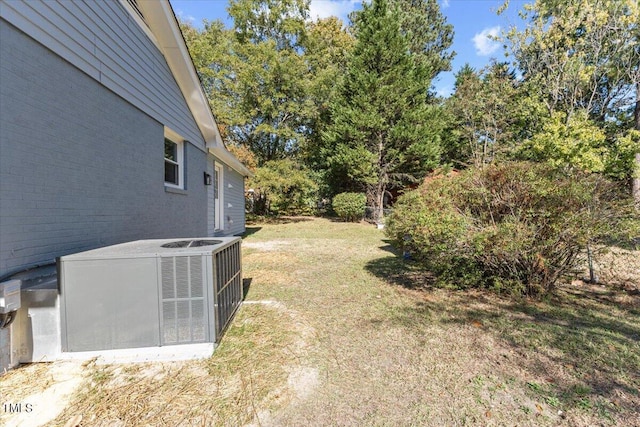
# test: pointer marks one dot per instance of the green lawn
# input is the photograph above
(337, 330)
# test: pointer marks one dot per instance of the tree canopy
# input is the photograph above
(352, 104)
(570, 97)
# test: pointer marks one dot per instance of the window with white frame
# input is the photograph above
(173, 163)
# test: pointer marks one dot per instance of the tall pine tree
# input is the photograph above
(428, 33)
(383, 132)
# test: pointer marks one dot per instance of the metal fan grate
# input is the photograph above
(183, 314)
(228, 286)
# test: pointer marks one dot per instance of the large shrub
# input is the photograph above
(349, 206)
(514, 227)
(283, 187)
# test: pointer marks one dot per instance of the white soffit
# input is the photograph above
(161, 20)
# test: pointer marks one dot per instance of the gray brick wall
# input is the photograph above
(79, 166)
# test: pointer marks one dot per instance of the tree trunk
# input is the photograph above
(379, 204)
(636, 111)
(635, 191)
(636, 183)
(381, 188)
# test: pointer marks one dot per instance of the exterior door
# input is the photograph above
(217, 197)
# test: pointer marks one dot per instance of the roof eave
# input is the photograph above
(162, 22)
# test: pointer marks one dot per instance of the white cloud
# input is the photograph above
(325, 8)
(444, 91)
(186, 18)
(445, 4)
(484, 43)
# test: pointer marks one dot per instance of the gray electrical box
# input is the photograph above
(9, 296)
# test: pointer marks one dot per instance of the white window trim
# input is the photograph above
(175, 138)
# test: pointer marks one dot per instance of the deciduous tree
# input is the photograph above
(256, 74)
(491, 112)
(584, 56)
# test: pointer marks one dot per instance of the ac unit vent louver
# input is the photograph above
(228, 286)
(183, 315)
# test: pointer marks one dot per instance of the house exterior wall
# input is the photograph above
(102, 39)
(234, 202)
(80, 167)
(85, 98)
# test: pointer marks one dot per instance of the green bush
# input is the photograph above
(349, 206)
(282, 187)
(516, 227)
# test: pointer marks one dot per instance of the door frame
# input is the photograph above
(218, 203)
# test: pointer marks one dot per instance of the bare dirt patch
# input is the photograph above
(270, 245)
(619, 268)
(43, 390)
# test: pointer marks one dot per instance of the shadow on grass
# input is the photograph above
(277, 220)
(246, 285)
(389, 247)
(584, 339)
(334, 218)
(250, 231)
(398, 272)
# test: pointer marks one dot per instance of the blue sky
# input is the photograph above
(473, 21)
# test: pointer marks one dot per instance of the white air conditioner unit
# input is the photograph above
(149, 293)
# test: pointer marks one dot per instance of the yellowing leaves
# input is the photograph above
(574, 141)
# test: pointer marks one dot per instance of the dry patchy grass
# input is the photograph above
(337, 330)
(25, 381)
(244, 376)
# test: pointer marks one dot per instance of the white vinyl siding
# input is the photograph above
(218, 198)
(211, 214)
(234, 202)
